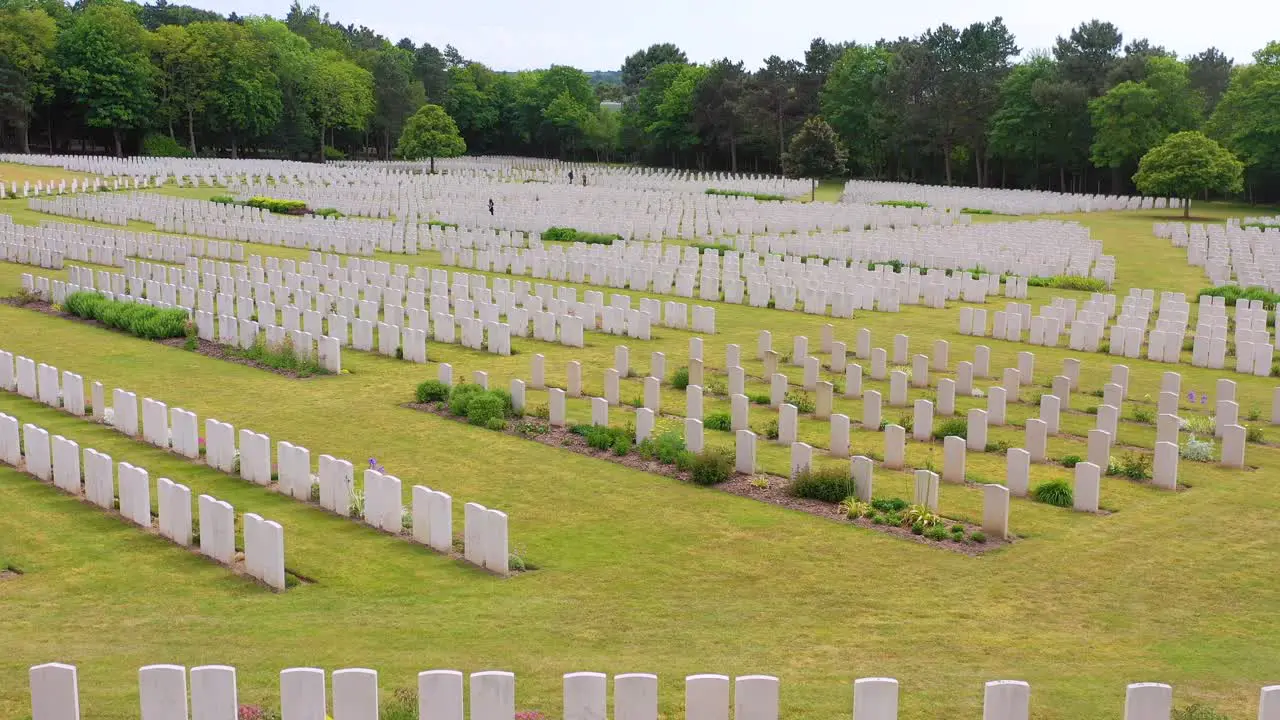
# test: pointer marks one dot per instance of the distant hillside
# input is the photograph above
(605, 77)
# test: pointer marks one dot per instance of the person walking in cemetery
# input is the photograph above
(584, 179)
(490, 206)
(570, 177)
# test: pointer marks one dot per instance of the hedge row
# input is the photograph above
(762, 197)
(568, 234)
(137, 319)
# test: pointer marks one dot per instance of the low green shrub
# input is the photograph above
(568, 234)
(666, 448)
(1197, 450)
(977, 211)
(904, 203)
(937, 532)
(494, 423)
(953, 427)
(223, 200)
(1232, 293)
(432, 391)
(1071, 460)
(709, 467)
(889, 505)
(680, 378)
(804, 404)
(1198, 424)
(771, 429)
(1253, 433)
(329, 212)
(1143, 415)
(460, 397)
(135, 318)
(161, 145)
(759, 399)
(718, 421)
(830, 485)
(1054, 492)
(441, 224)
(276, 205)
(483, 407)
(762, 197)
(1068, 282)
(601, 437)
(718, 247)
(1135, 466)
(281, 358)
(978, 536)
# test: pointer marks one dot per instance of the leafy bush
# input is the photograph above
(495, 423)
(904, 203)
(718, 247)
(483, 407)
(442, 224)
(952, 427)
(1253, 433)
(329, 212)
(921, 515)
(223, 200)
(1198, 424)
(978, 536)
(1068, 282)
(718, 421)
(999, 446)
(889, 505)
(854, 508)
(937, 532)
(680, 378)
(666, 448)
(568, 234)
(1197, 450)
(803, 403)
(759, 399)
(771, 429)
(160, 145)
(762, 197)
(138, 319)
(1071, 460)
(710, 467)
(1143, 415)
(281, 358)
(432, 391)
(333, 153)
(831, 485)
(1135, 466)
(286, 207)
(603, 438)
(977, 211)
(1054, 492)
(460, 397)
(1232, 293)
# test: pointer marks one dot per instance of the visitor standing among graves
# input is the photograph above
(570, 177)
(491, 206)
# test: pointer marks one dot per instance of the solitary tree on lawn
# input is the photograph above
(815, 152)
(1187, 163)
(430, 133)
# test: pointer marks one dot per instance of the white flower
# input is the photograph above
(978, 393)
(109, 415)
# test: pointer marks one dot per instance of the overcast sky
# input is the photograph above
(595, 35)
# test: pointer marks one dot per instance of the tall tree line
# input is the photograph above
(952, 105)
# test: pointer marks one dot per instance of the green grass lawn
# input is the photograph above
(640, 573)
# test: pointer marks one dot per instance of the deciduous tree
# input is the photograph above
(1185, 164)
(430, 133)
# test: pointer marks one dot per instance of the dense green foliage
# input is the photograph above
(287, 207)
(815, 152)
(432, 391)
(1232, 293)
(1186, 164)
(567, 234)
(1053, 492)
(951, 105)
(829, 485)
(430, 133)
(763, 197)
(135, 318)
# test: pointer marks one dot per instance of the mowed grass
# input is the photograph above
(13, 172)
(640, 573)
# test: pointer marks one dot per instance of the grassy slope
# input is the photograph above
(1171, 587)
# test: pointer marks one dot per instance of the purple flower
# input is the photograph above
(1192, 396)
(1204, 398)
(373, 462)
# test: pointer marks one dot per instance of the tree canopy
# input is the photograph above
(951, 104)
(430, 133)
(815, 152)
(1185, 164)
